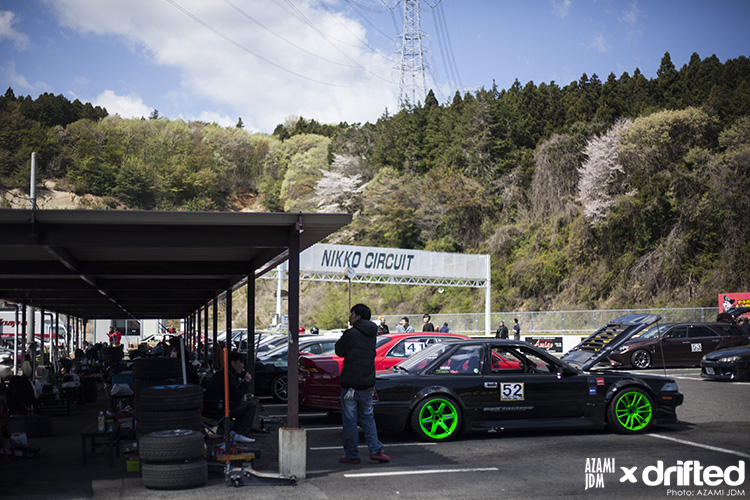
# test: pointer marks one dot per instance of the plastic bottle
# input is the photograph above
(101, 421)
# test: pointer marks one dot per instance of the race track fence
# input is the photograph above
(549, 322)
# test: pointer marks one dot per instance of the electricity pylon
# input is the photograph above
(412, 86)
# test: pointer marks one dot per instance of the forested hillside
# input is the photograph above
(617, 193)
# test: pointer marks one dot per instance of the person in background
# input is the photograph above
(239, 407)
(382, 327)
(516, 329)
(114, 336)
(357, 347)
(404, 326)
(502, 331)
(444, 328)
(428, 326)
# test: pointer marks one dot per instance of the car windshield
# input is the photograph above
(382, 340)
(654, 332)
(424, 357)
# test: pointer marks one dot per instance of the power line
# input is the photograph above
(251, 18)
(245, 49)
(448, 44)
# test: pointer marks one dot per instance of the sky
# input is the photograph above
(271, 61)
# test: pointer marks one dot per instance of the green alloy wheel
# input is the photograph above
(631, 411)
(436, 419)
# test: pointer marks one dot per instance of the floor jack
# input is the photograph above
(245, 474)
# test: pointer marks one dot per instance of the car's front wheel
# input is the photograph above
(279, 388)
(437, 418)
(641, 359)
(631, 411)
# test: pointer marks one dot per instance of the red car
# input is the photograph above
(320, 384)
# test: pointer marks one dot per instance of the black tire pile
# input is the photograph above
(171, 451)
(173, 459)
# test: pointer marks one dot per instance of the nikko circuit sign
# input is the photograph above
(355, 264)
(393, 265)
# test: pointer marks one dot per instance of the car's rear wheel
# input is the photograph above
(279, 388)
(631, 411)
(641, 359)
(436, 418)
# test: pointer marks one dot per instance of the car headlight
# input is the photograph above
(670, 387)
(730, 359)
(624, 348)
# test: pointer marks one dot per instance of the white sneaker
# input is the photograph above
(241, 439)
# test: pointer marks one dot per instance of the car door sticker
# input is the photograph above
(511, 391)
(696, 347)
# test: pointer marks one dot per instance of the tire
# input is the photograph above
(153, 421)
(436, 418)
(174, 476)
(640, 359)
(170, 398)
(171, 446)
(278, 388)
(631, 411)
(157, 368)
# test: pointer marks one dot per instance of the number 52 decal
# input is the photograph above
(511, 391)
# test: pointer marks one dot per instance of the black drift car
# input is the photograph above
(493, 384)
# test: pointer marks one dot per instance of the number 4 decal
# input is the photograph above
(511, 391)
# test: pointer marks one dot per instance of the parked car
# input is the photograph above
(271, 367)
(677, 344)
(494, 384)
(320, 376)
(727, 364)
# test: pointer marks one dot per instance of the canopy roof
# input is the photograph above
(134, 264)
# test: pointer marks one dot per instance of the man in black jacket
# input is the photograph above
(239, 407)
(357, 347)
(502, 331)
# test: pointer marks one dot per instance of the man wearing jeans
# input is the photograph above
(357, 347)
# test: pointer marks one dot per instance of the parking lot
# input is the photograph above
(713, 435)
(714, 431)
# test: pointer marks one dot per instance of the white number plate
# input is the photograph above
(710, 371)
(511, 391)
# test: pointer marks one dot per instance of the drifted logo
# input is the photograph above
(688, 473)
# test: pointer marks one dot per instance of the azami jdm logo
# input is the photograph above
(684, 474)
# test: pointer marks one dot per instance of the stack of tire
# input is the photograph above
(171, 450)
(149, 372)
(173, 459)
(169, 407)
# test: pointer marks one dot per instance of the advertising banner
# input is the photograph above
(730, 300)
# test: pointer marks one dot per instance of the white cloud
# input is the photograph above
(129, 106)
(17, 81)
(226, 59)
(598, 43)
(561, 8)
(7, 20)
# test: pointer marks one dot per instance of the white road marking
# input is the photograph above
(389, 445)
(699, 445)
(418, 472)
(303, 415)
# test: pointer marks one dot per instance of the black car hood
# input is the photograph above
(730, 315)
(743, 351)
(597, 346)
